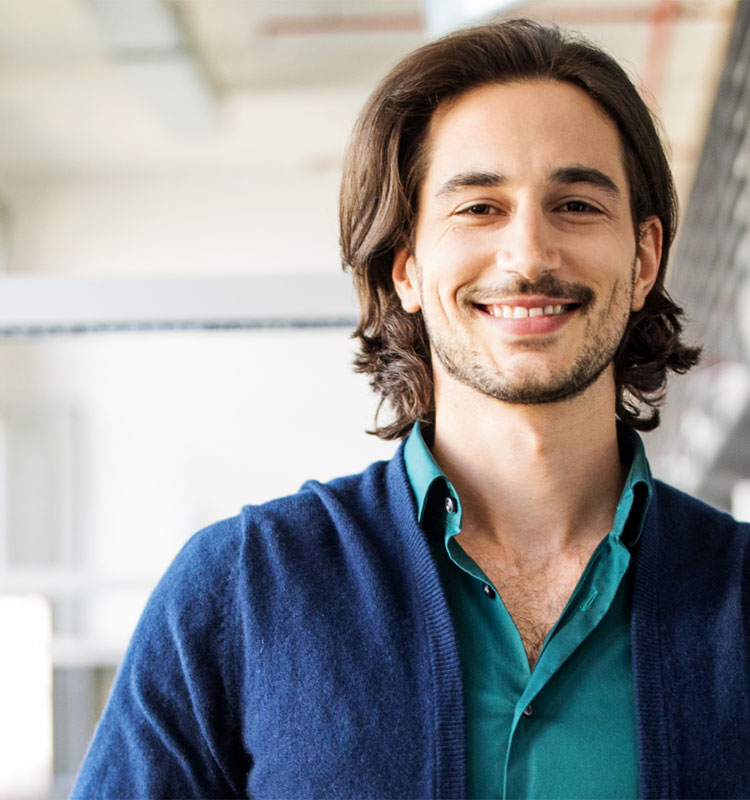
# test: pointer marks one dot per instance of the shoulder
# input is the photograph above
(285, 533)
(693, 541)
(343, 497)
(254, 565)
(674, 509)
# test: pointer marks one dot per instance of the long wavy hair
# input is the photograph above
(386, 162)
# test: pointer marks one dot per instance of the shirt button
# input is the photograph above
(488, 590)
(450, 505)
(528, 711)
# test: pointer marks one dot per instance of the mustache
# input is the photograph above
(547, 285)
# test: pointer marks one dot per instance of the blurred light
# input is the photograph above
(731, 393)
(4, 237)
(25, 697)
(703, 434)
(443, 16)
(743, 303)
(741, 500)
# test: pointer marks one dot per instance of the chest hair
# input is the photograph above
(533, 590)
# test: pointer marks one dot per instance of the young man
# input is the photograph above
(511, 607)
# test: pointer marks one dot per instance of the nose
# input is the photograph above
(527, 244)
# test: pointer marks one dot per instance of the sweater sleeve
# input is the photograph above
(171, 726)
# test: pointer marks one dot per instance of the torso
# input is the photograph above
(533, 591)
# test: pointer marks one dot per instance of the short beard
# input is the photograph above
(466, 365)
(589, 365)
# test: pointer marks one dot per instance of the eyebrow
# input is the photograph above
(588, 175)
(563, 175)
(466, 180)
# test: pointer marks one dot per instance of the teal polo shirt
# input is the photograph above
(565, 729)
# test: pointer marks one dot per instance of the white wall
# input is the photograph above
(196, 221)
(174, 430)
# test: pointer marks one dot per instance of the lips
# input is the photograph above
(521, 317)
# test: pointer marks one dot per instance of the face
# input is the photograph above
(525, 262)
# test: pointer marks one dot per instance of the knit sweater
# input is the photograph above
(305, 649)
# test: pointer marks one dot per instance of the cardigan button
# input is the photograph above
(488, 591)
(528, 711)
(450, 505)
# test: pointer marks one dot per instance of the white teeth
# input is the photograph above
(521, 312)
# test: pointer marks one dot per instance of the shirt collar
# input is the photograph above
(421, 468)
(423, 473)
(638, 488)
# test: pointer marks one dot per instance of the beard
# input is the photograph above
(602, 336)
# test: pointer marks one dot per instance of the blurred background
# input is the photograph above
(174, 325)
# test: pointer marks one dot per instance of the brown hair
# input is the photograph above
(385, 164)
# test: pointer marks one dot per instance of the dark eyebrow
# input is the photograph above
(469, 179)
(586, 175)
(563, 175)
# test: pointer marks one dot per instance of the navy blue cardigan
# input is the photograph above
(304, 649)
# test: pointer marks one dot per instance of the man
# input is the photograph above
(511, 607)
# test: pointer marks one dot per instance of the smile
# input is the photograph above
(522, 312)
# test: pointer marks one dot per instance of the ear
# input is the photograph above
(405, 279)
(647, 261)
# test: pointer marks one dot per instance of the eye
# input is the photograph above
(579, 207)
(477, 210)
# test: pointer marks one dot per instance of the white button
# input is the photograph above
(450, 505)
(528, 711)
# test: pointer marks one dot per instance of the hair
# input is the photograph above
(385, 164)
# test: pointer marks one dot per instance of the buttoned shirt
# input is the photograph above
(566, 728)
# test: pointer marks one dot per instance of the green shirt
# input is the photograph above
(565, 729)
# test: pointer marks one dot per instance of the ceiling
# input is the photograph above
(97, 85)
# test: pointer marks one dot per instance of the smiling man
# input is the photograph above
(511, 607)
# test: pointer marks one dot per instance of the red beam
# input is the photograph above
(663, 20)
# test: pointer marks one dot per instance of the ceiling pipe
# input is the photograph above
(157, 58)
(330, 23)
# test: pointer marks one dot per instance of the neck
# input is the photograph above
(542, 478)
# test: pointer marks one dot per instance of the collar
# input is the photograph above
(425, 476)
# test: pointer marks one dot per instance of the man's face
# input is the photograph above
(525, 262)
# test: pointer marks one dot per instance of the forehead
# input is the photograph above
(522, 129)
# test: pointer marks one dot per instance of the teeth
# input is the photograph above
(521, 312)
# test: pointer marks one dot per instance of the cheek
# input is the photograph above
(618, 303)
(459, 258)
